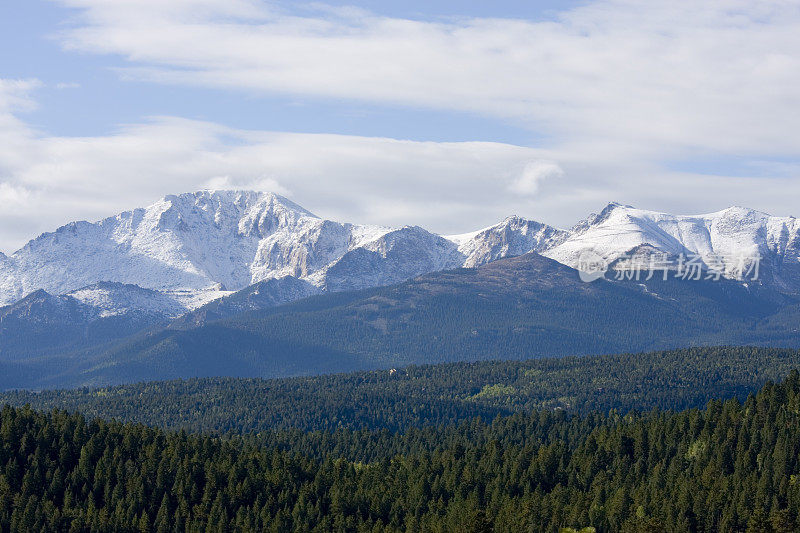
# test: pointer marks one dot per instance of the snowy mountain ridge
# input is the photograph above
(108, 299)
(187, 250)
(726, 240)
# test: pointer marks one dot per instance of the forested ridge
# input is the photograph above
(727, 467)
(516, 308)
(434, 394)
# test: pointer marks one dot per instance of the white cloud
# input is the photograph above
(656, 78)
(256, 184)
(14, 198)
(67, 85)
(532, 174)
(15, 95)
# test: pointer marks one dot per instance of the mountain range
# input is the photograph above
(513, 308)
(247, 283)
(194, 248)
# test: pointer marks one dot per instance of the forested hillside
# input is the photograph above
(433, 394)
(728, 467)
(517, 308)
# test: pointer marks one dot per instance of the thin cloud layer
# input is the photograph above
(656, 78)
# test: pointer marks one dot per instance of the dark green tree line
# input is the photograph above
(728, 467)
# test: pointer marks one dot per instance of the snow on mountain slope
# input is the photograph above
(115, 299)
(393, 257)
(181, 242)
(261, 295)
(101, 300)
(195, 247)
(513, 236)
(9, 290)
(43, 307)
(304, 249)
(723, 240)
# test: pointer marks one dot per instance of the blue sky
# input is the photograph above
(451, 115)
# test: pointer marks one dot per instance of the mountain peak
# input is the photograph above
(613, 205)
(38, 294)
(514, 221)
(738, 211)
(595, 219)
(241, 198)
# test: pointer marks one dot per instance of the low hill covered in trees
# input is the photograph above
(432, 395)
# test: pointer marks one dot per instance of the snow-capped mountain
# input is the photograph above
(194, 245)
(393, 257)
(513, 236)
(194, 248)
(729, 241)
(187, 250)
(101, 300)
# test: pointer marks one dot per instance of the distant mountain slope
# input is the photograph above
(218, 254)
(516, 308)
(115, 299)
(513, 236)
(42, 323)
(261, 295)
